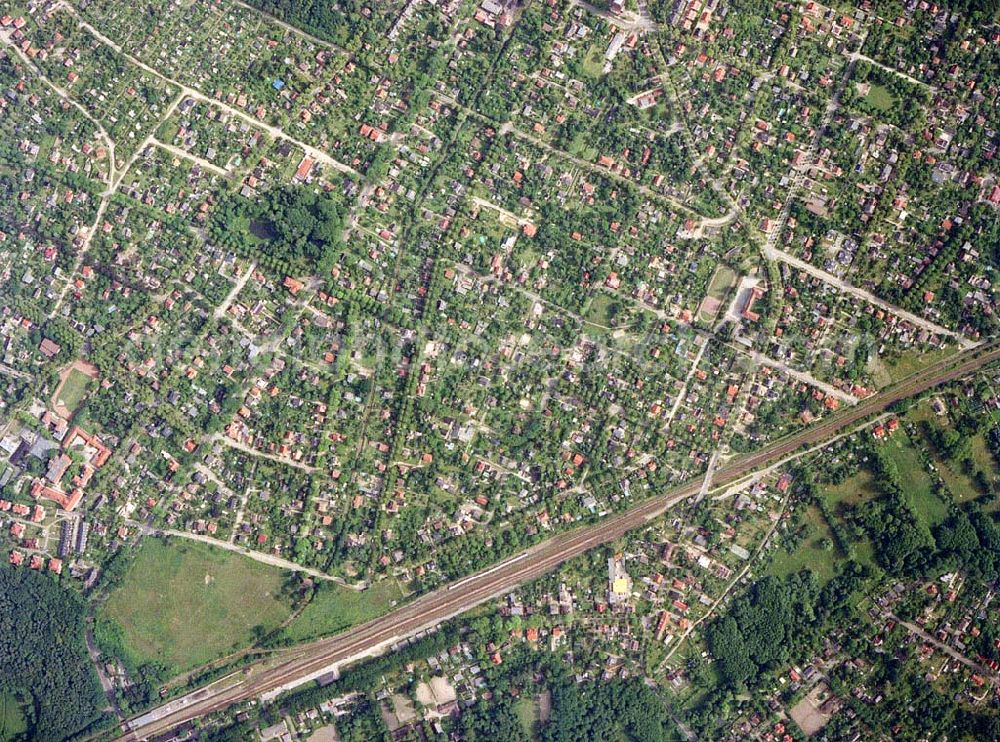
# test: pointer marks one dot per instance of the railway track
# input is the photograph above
(458, 597)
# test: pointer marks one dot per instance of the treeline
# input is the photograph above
(43, 655)
(901, 545)
(968, 540)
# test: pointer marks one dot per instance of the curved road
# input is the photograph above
(462, 595)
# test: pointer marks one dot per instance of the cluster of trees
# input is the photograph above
(902, 547)
(628, 710)
(969, 540)
(42, 655)
(288, 229)
(369, 304)
(343, 22)
(776, 622)
(908, 103)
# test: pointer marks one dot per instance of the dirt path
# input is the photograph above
(257, 556)
(184, 154)
(227, 441)
(241, 282)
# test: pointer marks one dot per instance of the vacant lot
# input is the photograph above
(184, 603)
(334, 608)
(896, 367)
(814, 711)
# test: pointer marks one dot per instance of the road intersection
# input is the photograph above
(317, 658)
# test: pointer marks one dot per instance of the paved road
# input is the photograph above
(628, 21)
(241, 282)
(190, 92)
(227, 441)
(803, 376)
(855, 56)
(947, 649)
(11, 371)
(847, 288)
(458, 597)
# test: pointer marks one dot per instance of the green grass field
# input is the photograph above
(593, 61)
(722, 281)
(13, 723)
(850, 493)
(183, 603)
(334, 608)
(917, 485)
(887, 371)
(880, 98)
(599, 312)
(959, 481)
(809, 554)
(526, 709)
(74, 390)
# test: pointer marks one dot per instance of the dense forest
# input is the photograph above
(776, 622)
(290, 229)
(336, 22)
(40, 619)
